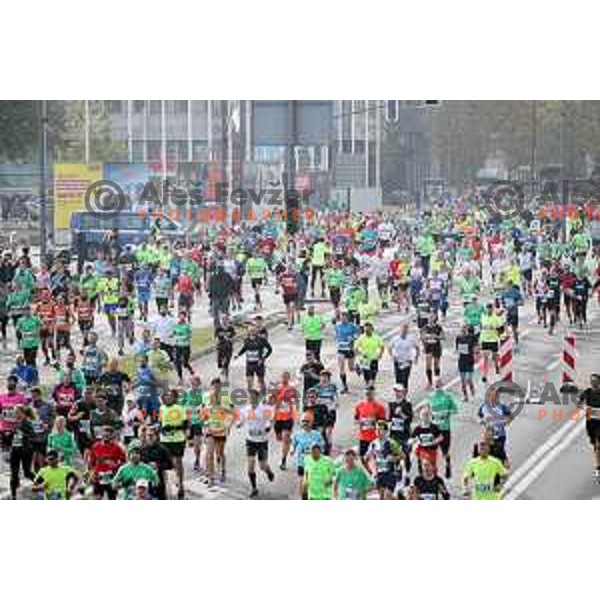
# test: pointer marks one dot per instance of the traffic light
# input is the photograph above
(292, 208)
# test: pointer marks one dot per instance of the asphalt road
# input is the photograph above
(550, 456)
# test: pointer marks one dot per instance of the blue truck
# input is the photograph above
(88, 231)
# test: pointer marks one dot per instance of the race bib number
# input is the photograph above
(350, 493)
(483, 488)
(84, 427)
(397, 424)
(256, 432)
(105, 478)
(426, 439)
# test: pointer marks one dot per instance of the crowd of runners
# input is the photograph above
(80, 420)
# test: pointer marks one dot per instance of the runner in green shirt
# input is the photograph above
(89, 284)
(62, 441)
(443, 407)
(319, 475)
(369, 348)
(336, 279)
(131, 472)
(17, 301)
(355, 296)
(312, 328)
(28, 331)
(24, 279)
(319, 253)
(351, 481)
(485, 473)
(193, 401)
(182, 334)
(55, 481)
(256, 267)
(472, 314)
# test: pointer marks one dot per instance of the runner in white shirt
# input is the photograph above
(257, 420)
(385, 232)
(404, 349)
(380, 268)
(162, 328)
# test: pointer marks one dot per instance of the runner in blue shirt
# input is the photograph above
(345, 335)
(302, 441)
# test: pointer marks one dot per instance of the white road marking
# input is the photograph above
(538, 455)
(543, 464)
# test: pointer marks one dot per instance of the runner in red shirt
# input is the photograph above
(366, 414)
(104, 459)
(285, 398)
(289, 289)
(84, 309)
(44, 309)
(185, 287)
(567, 282)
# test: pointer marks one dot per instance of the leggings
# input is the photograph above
(182, 359)
(3, 326)
(19, 458)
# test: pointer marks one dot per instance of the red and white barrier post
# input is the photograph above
(505, 359)
(568, 363)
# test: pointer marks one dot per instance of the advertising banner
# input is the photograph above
(71, 182)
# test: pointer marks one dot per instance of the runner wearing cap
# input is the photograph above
(133, 471)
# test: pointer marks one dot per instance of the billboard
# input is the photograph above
(131, 177)
(71, 181)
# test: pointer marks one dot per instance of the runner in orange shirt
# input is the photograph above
(366, 414)
(284, 397)
(44, 309)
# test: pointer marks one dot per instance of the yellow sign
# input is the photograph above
(70, 184)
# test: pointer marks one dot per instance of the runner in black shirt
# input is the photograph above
(400, 416)
(591, 399)
(466, 347)
(581, 291)
(311, 372)
(428, 486)
(112, 382)
(225, 334)
(432, 335)
(257, 349)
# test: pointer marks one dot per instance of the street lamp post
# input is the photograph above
(43, 199)
(533, 143)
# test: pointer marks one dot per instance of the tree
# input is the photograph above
(20, 127)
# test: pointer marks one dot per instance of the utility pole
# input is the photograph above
(43, 199)
(533, 143)
(292, 201)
